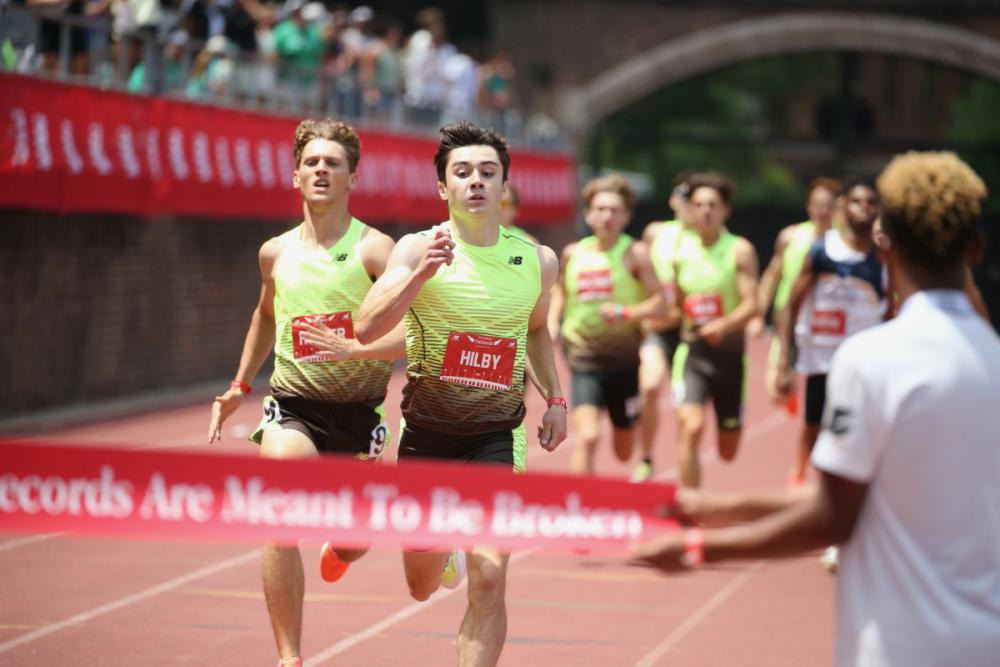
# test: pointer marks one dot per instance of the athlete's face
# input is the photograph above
(821, 206)
(861, 207)
(324, 173)
(708, 211)
(607, 214)
(473, 181)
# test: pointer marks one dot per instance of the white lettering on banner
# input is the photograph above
(265, 164)
(176, 502)
(223, 163)
(286, 165)
(73, 159)
(249, 502)
(202, 161)
(175, 149)
(126, 151)
(391, 510)
(153, 153)
(513, 518)
(102, 497)
(449, 514)
(244, 165)
(22, 139)
(95, 148)
(43, 151)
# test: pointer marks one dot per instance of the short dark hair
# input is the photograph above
(859, 182)
(333, 130)
(718, 182)
(931, 205)
(457, 135)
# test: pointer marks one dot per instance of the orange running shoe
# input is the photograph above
(795, 478)
(331, 568)
(290, 662)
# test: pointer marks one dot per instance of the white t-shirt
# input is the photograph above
(913, 410)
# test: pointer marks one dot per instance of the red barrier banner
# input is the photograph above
(68, 148)
(212, 497)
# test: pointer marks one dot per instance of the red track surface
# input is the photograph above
(77, 601)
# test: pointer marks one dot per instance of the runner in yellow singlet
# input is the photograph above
(662, 337)
(327, 388)
(716, 276)
(607, 287)
(473, 299)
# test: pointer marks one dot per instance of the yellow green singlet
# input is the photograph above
(595, 277)
(466, 341)
(791, 262)
(322, 281)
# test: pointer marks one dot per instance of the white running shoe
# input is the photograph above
(830, 559)
(454, 569)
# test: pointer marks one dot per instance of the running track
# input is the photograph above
(83, 601)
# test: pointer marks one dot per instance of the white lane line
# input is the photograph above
(120, 603)
(398, 617)
(695, 619)
(24, 541)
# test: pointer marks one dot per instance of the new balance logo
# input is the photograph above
(342, 257)
(515, 260)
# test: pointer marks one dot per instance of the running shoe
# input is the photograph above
(290, 662)
(454, 569)
(830, 559)
(643, 472)
(331, 568)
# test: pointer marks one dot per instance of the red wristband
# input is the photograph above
(558, 400)
(626, 314)
(694, 547)
(242, 386)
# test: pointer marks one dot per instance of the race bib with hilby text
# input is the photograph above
(829, 322)
(341, 324)
(479, 360)
(594, 285)
(703, 308)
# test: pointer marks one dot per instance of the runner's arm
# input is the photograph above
(772, 274)
(655, 306)
(804, 283)
(539, 354)
(557, 294)
(412, 263)
(256, 345)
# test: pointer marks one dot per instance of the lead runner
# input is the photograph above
(474, 301)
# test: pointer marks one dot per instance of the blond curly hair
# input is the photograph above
(332, 129)
(931, 204)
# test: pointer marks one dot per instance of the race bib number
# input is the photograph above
(341, 323)
(594, 285)
(380, 434)
(703, 308)
(478, 360)
(829, 322)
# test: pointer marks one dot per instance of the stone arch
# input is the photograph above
(774, 34)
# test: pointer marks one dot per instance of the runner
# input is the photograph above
(790, 250)
(838, 292)
(327, 389)
(716, 273)
(662, 337)
(607, 287)
(474, 301)
(908, 454)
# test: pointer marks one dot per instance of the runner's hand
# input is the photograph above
(553, 429)
(780, 381)
(222, 407)
(329, 344)
(611, 313)
(439, 251)
(712, 332)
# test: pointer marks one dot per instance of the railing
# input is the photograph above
(147, 62)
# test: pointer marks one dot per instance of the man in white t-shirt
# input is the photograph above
(909, 454)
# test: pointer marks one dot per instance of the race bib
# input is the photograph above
(703, 308)
(341, 323)
(478, 360)
(829, 322)
(594, 285)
